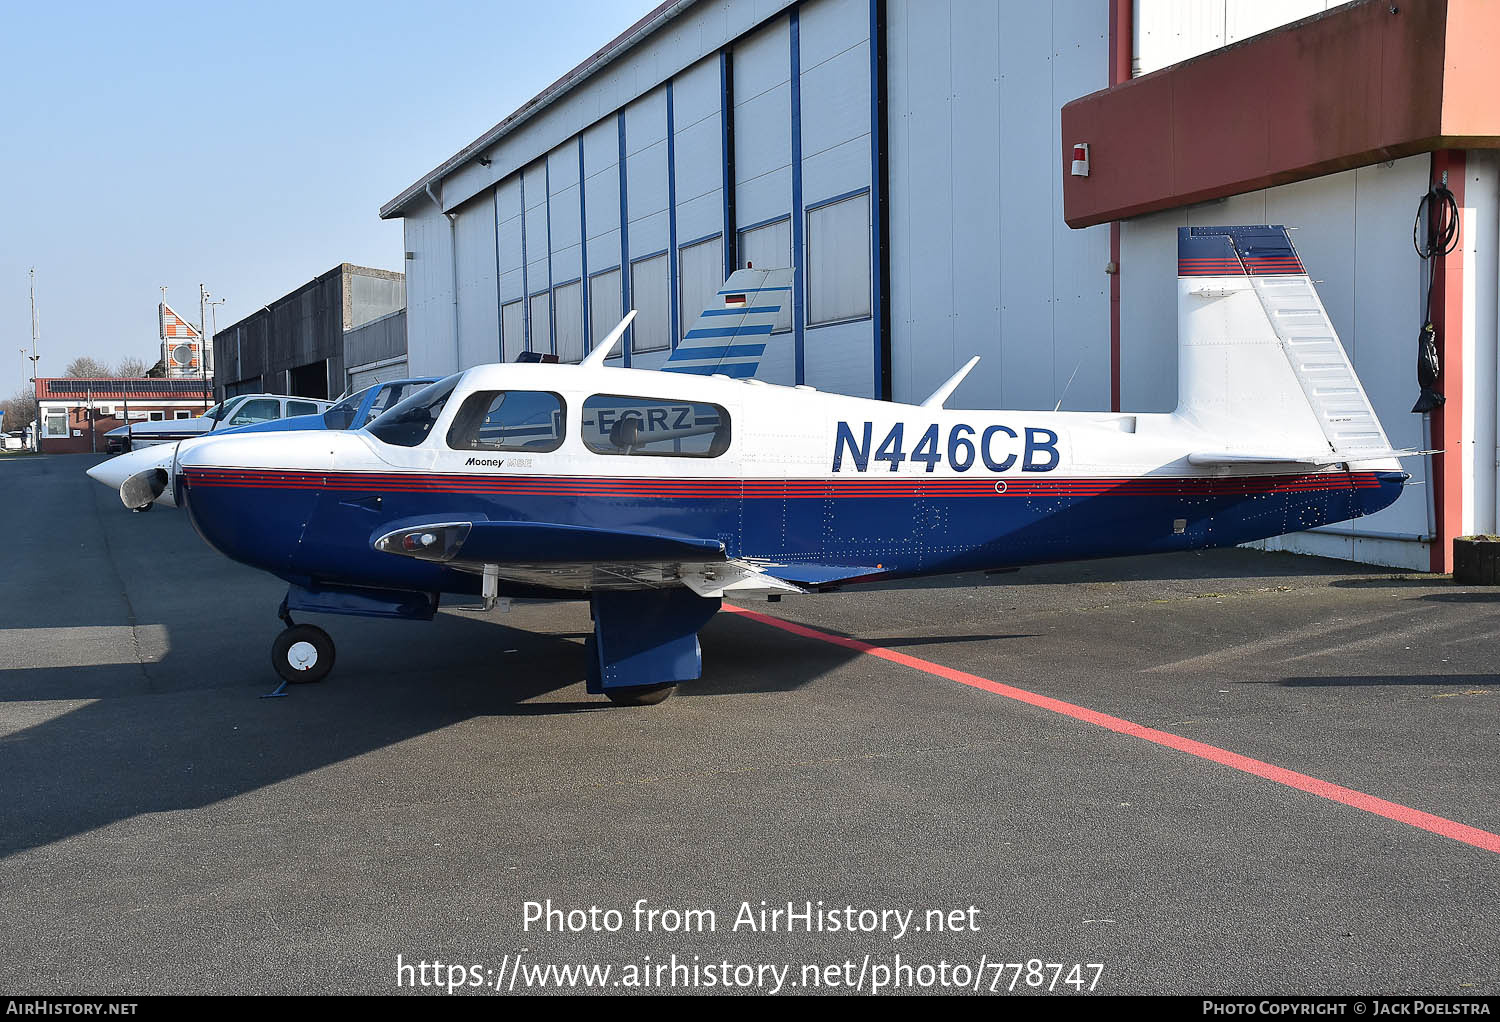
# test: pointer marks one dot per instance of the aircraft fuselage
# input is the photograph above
(812, 484)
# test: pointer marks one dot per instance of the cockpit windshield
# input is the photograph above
(341, 415)
(407, 424)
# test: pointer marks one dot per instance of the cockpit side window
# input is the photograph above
(509, 420)
(620, 424)
(409, 423)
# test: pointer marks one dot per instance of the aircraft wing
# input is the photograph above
(578, 558)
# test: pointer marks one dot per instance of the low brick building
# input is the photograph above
(77, 413)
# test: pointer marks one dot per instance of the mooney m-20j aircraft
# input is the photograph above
(654, 494)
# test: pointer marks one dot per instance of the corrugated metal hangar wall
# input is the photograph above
(741, 131)
(634, 192)
(773, 112)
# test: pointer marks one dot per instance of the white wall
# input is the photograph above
(981, 261)
(429, 292)
(1169, 31)
(1481, 246)
(478, 312)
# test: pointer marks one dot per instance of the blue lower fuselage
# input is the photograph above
(316, 528)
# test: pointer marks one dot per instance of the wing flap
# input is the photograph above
(822, 574)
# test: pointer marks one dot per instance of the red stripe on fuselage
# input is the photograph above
(864, 485)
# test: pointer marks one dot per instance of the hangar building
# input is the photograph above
(912, 159)
(297, 344)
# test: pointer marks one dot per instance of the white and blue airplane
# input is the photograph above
(655, 494)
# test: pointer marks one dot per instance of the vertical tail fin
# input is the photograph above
(1259, 360)
(730, 336)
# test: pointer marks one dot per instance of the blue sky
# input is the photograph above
(244, 145)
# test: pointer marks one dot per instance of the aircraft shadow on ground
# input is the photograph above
(1492, 596)
(1168, 567)
(175, 749)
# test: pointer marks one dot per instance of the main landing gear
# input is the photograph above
(640, 695)
(301, 654)
(644, 643)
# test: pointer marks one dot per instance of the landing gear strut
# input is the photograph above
(301, 654)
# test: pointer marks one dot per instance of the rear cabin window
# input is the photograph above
(509, 420)
(408, 423)
(619, 424)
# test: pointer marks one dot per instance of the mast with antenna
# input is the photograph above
(36, 431)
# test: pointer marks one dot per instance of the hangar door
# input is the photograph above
(365, 376)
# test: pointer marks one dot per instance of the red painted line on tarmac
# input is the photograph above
(1302, 782)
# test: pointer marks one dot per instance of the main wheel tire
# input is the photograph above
(143, 507)
(302, 654)
(640, 695)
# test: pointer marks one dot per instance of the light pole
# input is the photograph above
(213, 312)
(204, 337)
(36, 430)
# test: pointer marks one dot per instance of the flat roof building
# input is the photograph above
(76, 413)
(295, 344)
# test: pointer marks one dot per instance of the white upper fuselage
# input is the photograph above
(777, 432)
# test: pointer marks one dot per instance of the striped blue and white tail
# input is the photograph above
(730, 336)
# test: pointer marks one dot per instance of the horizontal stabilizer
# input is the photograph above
(1212, 458)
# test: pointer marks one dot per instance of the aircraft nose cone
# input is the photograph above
(117, 471)
(104, 473)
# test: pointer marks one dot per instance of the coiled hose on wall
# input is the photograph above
(1438, 210)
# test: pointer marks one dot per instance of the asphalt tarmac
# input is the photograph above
(165, 829)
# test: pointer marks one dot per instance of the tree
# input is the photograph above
(131, 367)
(85, 367)
(19, 410)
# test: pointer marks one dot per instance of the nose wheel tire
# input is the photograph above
(640, 695)
(302, 654)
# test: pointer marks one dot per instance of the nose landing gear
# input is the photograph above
(301, 654)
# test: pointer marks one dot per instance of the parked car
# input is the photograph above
(354, 411)
(240, 410)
